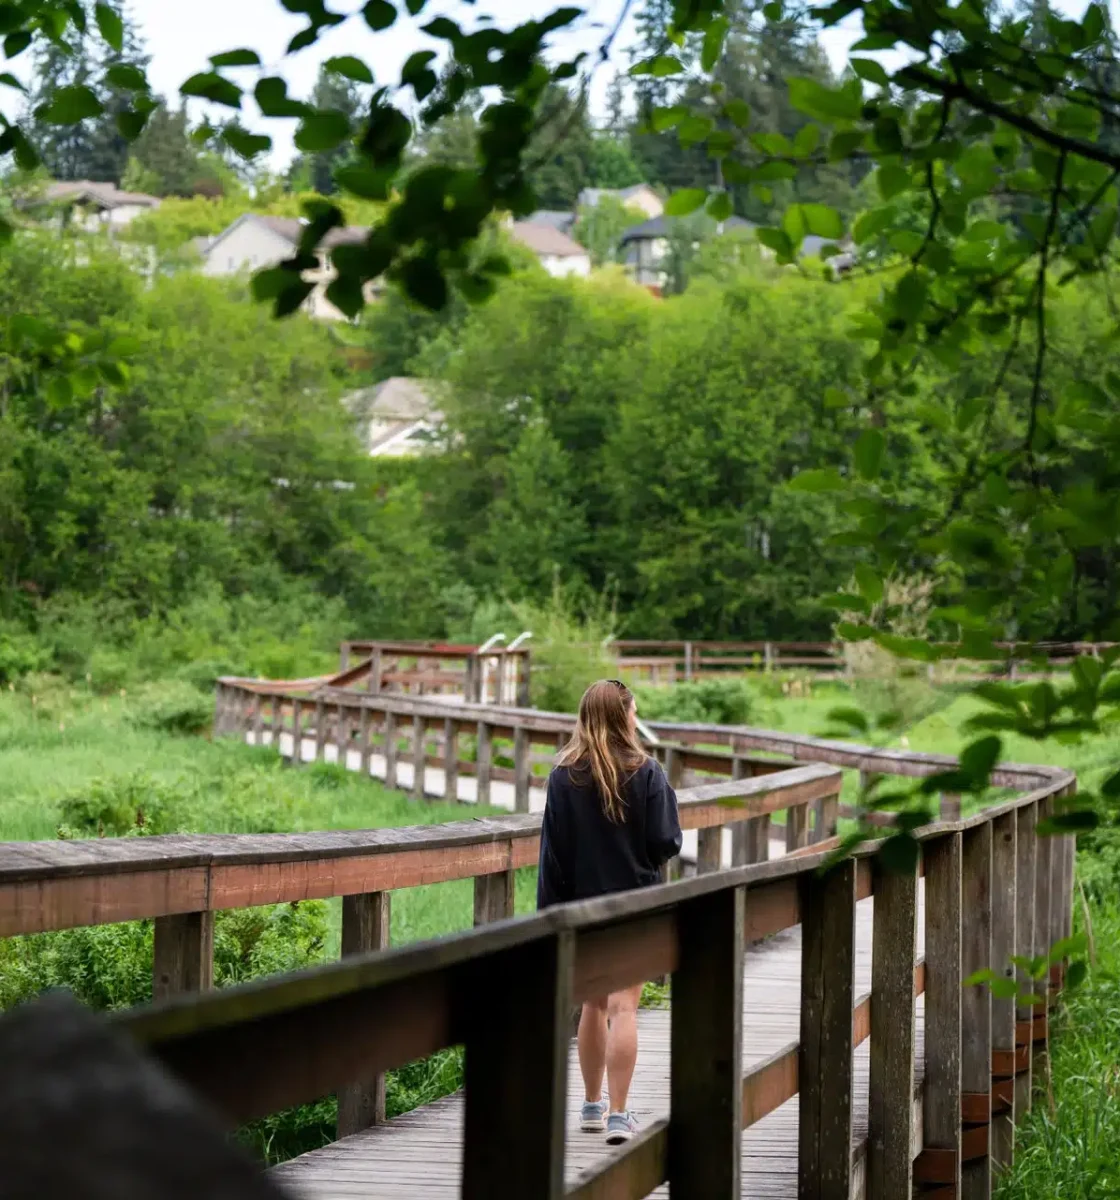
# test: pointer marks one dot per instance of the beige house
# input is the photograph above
(640, 196)
(93, 206)
(557, 253)
(255, 241)
(397, 417)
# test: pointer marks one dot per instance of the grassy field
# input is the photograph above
(76, 764)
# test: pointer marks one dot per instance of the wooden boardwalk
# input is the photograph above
(419, 1154)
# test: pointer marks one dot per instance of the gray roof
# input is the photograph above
(557, 219)
(545, 240)
(291, 229)
(662, 227)
(105, 195)
(594, 195)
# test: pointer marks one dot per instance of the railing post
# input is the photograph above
(182, 954)
(891, 1087)
(418, 756)
(343, 657)
(373, 680)
(1026, 849)
(706, 1055)
(824, 1071)
(940, 1160)
(516, 1075)
(493, 897)
(1044, 850)
(297, 733)
(797, 827)
(365, 749)
(365, 927)
(392, 749)
(1004, 904)
(950, 806)
(219, 709)
(976, 1017)
(499, 676)
(483, 761)
(277, 723)
(768, 657)
(258, 719)
(522, 669)
(320, 730)
(826, 818)
(521, 769)
(688, 661)
(709, 849)
(451, 760)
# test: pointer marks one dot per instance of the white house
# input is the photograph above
(639, 195)
(255, 241)
(556, 252)
(397, 416)
(94, 206)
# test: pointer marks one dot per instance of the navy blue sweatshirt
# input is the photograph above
(585, 854)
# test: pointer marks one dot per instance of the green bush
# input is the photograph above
(172, 708)
(705, 701)
(20, 654)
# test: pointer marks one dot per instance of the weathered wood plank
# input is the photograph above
(493, 897)
(451, 761)
(976, 1021)
(484, 760)
(365, 928)
(1026, 861)
(419, 755)
(797, 827)
(709, 845)
(516, 1071)
(182, 954)
(828, 907)
(1004, 905)
(941, 1108)
(522, 770)
(706, 1087)
(889, 1153)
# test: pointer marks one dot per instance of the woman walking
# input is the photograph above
(610, 821)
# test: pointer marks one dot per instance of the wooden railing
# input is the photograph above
(497, 675)
(992, 888)
(663, 662)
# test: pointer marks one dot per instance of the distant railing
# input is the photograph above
(481, 675)
(665, 662)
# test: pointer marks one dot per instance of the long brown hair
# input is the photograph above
(604, 745)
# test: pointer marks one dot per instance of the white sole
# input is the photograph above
(619, 1137)
(592, 1126)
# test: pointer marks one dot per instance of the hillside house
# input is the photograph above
(397, 417)
(640, 196)
(255, 241)
(90, 206)
(556, 251)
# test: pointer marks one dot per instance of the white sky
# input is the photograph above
(181, 36)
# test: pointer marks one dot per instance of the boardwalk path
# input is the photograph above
(419, 1154)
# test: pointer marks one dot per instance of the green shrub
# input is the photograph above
(133, 805)
(172, 708)
(704, 701)
(20, 654)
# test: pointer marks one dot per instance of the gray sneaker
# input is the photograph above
(593, 1116)
(621, 1127)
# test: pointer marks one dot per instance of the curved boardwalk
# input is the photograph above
(419, 1154)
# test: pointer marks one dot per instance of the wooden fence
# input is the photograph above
(993, 888)
(497, 675)
(668, 662)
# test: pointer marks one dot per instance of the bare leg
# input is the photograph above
(622, 1044)
(593, 1047)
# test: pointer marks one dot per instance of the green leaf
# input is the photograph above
(379, 14)
(829, 104)
(900, 853)
(1076, 973)
(855, 633)
(415, 7)
(910, 296)
(869, 583)
(244, 143)
(835, 398)
(985, 975)
(272, 98)
(127, 77)
(9, 80)
(979, 758)
(822, 220)
(1004, 988)
(806, 140)
(845, 602)
(1078, 820)
(131, 124)
(236, 58)
(660, 67)
(72, 104)
(817, 479)
(322, 130)
(738, 112)
(349, 67)
(685, 201)
(110, 25)
(661, 119)
(892, 179)
(424, 282)
(1068, 947)
(212, 86)
(712, 46)
(719, 206)
(870, 223)
(16, 43)
(776, 240)
(869, 69)
(1111, 786)
(418, 75)
(868, 453)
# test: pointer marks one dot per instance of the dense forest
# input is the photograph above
(671, 461)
